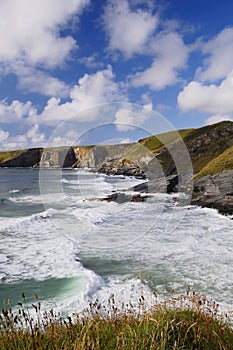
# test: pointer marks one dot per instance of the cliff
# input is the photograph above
(210, 149)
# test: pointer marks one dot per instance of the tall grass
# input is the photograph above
(185, 322)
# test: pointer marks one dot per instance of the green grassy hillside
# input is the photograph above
(9, 155)
(209, 147)
(155, 143)
(223, 162)
(203, 144)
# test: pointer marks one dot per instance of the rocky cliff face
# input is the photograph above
(157, 158)
(62, 157)
(146, 158)
(27, 158)
(215, 191)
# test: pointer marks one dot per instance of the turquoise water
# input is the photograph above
(60, 241)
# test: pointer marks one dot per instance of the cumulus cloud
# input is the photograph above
(3, 136)
(171, 55)
(128, 30)
(91, 90)
(30, 30)
(218, 118)
(31, 40)
(212, 90)
(16, 111)
(219, 62)
(126, 140)
(32, 138)
(126, 118)
(40, 82)
(71, 137)
(91, 61)
(214, 99)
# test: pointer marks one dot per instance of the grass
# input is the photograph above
(9, 155)
(209, 147)
(207, 143)
(223, 162)
(156, 143)
(185, 322)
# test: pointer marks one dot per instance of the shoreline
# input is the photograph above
(222, 202)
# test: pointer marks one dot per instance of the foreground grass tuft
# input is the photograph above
(187, 322)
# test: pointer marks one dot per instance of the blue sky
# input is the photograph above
(85, 71)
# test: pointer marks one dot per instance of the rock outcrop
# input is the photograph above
(62, 157)
(169, 161)
(27, 158)
(215, 191)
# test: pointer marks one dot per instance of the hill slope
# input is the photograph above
(209, 148)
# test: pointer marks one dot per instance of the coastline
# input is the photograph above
(221, 198)
(198, 163)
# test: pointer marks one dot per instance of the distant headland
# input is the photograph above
(210, 149)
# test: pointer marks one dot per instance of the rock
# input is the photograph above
(29, 158)
(215, 191)
(59, 157)
(118, 166)
(158, 185)
(224, 204)
(121, 197)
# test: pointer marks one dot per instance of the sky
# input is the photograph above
(95, 71)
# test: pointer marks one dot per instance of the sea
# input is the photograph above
(61, 241)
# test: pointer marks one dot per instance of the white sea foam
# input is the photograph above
(197, 251)
(14, 191)
(127, 290)
(3, 258)
(26, 199)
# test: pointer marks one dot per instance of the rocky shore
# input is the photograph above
(197, 162)
(214, 192)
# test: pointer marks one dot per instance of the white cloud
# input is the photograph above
(218, 118)
(124, 119)
(126, 140)
(220, 51)
(16, 111)
(97, 88)
(30, 30)
(149, 106)
(91, 90)
(71, 137)
(3, 136)
(171, 56)
(214, 99)
(32, 138)
(31, 41)
(40, 82)
(91, 61)
(127, 118)
(128, 30)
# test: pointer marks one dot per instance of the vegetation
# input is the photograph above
(8, 155)
(209, 147)
(205, 145)
(186, 322)
(156, 143)
(223, 162)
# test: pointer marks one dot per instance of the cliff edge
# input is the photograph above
(159, 158)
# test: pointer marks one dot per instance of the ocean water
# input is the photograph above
(58, 239)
